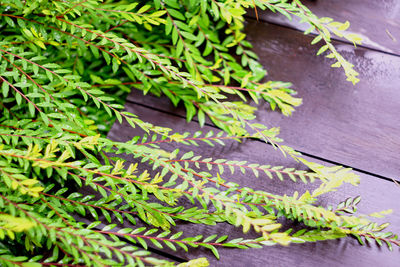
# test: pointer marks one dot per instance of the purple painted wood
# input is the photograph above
(357, 126)
(346, 252)
(378, 22)
(353, 125)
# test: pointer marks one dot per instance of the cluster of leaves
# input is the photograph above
(65, 68)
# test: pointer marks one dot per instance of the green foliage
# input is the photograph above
(66, 67)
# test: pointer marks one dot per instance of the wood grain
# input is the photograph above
(332, 253)
(378, 22)
(357, 126)
(353, 125)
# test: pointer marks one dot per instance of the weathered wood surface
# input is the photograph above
(344, 252)
(378, 22)
(353, 125)
(357, 126)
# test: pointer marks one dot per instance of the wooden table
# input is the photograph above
(355, 126)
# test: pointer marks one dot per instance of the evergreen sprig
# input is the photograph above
(65, 68)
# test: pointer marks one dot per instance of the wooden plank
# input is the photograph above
(357, 126)
(354, 125)
(378, 22)
(345, 252)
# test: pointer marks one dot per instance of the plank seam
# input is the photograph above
(258, 140)
(166, 255)
(313, 34)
